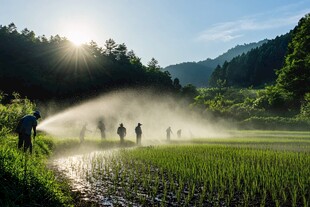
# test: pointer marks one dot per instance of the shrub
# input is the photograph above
(275, 123)
(12, 112)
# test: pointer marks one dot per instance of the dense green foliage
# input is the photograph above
(255, 68)
(251, 109)
(54, 68)
(294, 77)
(10, 113)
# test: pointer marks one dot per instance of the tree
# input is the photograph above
(29, 35)
(12, 28)
(121, 52)
(133, 59)
(189, 91)
(110, 46)
(176, 84)
(294, 77)
(153, 65)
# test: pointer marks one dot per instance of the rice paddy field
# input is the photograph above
(249, 168)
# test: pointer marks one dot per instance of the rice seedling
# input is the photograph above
(226, 174)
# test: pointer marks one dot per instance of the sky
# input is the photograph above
(171, 31)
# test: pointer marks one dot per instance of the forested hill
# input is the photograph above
(255, 68)
(190, 73)
(198, 73)
(231, 53)
(53, 68)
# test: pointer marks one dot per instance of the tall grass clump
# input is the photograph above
(25, 179)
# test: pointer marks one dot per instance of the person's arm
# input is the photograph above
(34, 131)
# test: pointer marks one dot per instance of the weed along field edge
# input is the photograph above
(251, 168)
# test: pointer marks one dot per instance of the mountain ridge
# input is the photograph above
(198, 73)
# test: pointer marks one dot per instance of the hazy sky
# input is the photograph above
(171, 31)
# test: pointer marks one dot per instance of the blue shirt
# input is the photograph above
(28, 122)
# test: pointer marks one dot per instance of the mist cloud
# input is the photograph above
(155, 112)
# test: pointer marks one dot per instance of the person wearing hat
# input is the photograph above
(121, 131)
(138, 131)
(168, 131)
(25, 125)
(101, 127)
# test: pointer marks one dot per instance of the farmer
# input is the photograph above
(179, 132)
(101, 127)
(138, 131)
(24, 127)
(83, 131)
(168, 131)
(121, 131)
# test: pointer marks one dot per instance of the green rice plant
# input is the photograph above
(208, 174)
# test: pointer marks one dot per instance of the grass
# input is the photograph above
(25, 180)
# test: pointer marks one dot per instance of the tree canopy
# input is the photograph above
(294, 77)
(53, 68)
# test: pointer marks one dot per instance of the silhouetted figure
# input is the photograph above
(101, 127)
(24, 127)
(138, 131)
(168, 131)
(179, 132)
(83, 131)
(121, 131)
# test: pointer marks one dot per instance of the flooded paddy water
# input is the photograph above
(232, 171)
(79, 170)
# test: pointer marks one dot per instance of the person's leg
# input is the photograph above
(139, 139)
(20, 140)
(30, 146)
(27, 142)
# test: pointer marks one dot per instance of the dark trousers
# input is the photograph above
(139, 139)
(25, 139)
(168, 136)
(102, 134)
(122, 139)
(20, 140)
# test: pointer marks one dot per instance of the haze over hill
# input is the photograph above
(198, 73)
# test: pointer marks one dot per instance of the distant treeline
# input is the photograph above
(255, 68)
(53, 68)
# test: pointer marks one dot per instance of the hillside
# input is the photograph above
(198, 73)
(255, 68)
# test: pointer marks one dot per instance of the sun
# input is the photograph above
(78, 34)
(77, 38)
